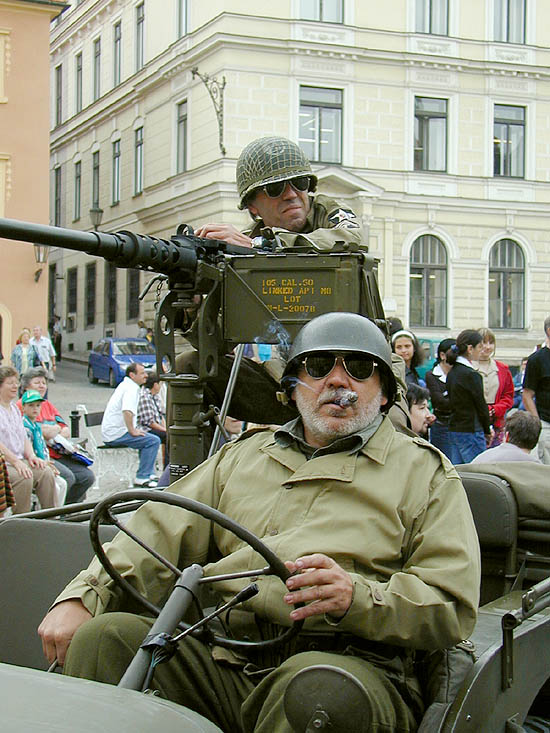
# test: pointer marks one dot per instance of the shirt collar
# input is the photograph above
(293, 433)
(463, 360)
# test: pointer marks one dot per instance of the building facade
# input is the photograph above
(428, 118)
(24, 158)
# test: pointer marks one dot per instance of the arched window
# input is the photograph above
(506, 285)
(428, 282)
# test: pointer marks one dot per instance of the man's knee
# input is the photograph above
(383, 705)
(104, 646)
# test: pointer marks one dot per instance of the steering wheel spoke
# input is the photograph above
(274, 565)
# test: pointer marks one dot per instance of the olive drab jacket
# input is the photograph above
(394, 515)
(328, 222)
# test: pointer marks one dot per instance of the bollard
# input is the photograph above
(75, 419)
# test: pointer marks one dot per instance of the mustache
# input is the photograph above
(339, 396)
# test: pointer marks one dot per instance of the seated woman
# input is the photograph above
(27, 472)
(149, 414)
(79, 477)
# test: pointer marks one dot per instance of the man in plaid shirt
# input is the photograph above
(149, 414)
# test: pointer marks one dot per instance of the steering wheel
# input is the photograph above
(275, 566)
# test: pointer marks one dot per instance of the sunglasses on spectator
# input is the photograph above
(274, 190)
(358, 366)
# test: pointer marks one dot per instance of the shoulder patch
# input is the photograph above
(344, 219)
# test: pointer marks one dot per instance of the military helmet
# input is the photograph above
(269, 160)
(344, 332)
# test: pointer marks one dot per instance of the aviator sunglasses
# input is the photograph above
(358, 366)
(274, 190)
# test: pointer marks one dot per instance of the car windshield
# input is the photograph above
(130, 348)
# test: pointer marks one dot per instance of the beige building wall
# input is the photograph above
(380, 64)
(24, 158)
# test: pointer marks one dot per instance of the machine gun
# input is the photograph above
(248, 296)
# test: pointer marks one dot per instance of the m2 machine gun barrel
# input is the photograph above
(248, 295)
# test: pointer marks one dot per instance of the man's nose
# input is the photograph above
(338, 377)
(289, 192)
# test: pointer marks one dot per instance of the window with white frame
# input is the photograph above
(432, 16)
(327, 11)
(140, 27)
(95, 180)
(58, 94)
(77, 189)
(183, 19)
(117, 53)
(428, 282)
(320, 133)
(115, 183)
(506, 285)
(78, 82)
(509, 21)
(181, 137)
(430, 134)
(138, 161)
(509, 141)
(97, 69)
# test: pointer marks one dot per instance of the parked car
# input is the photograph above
(110, 357)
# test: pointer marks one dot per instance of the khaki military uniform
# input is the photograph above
(328, 222)
(394, 515)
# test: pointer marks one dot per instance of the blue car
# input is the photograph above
(111, 356)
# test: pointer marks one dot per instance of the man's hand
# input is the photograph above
(327, 587)
(59, 626)
(137, 433)
(226, 232)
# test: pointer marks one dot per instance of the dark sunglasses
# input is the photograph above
(274, 190)
(358, 366)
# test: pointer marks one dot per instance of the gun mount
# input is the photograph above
(250, 295)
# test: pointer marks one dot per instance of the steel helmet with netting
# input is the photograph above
(269, 160)
(342, 332)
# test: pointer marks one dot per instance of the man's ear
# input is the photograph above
(253, 210)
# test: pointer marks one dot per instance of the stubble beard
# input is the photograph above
(326, 432)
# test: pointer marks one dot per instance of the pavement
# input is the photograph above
(80, 357)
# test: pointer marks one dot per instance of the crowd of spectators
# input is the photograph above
(467, 409)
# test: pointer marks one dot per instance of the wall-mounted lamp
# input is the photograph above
(96, 215)
(41, 252)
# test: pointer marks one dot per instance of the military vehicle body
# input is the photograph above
(279, 290)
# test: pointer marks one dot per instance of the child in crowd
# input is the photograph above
(31, 402)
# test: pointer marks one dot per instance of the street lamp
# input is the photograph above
(96, 215)
(41, 252)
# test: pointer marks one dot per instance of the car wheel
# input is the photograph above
(112, 379)
(91, 378)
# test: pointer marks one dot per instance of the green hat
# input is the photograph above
(31, 395)
(269, 160)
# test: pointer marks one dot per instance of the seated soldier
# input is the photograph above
(373, 524)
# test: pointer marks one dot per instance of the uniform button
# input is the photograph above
(377, 595)
(287, 486)
(93, 581)
(273, 532)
